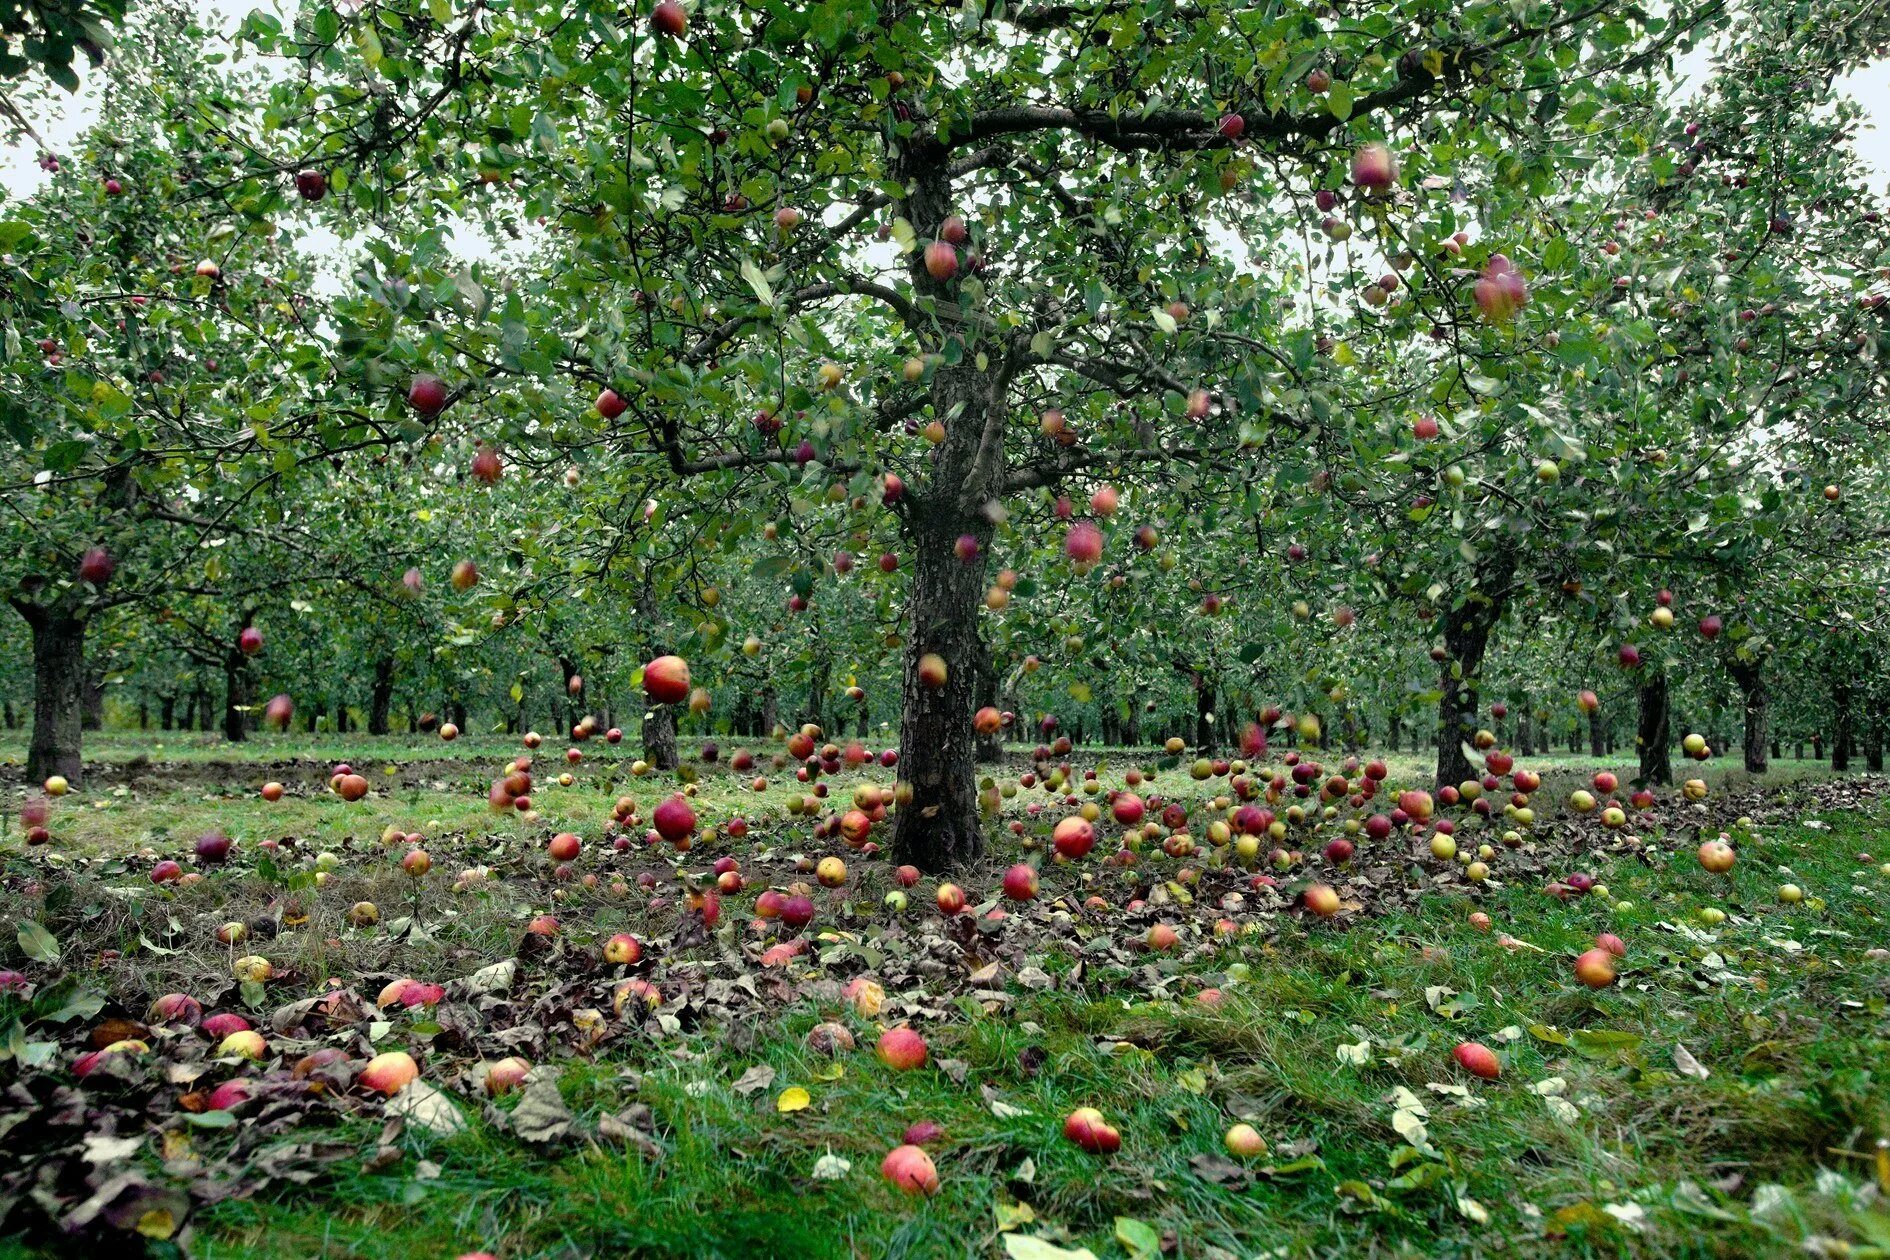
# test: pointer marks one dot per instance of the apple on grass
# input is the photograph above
(1087, 1128)
(911, 1169)
(1477, 1059)
(901, 1049)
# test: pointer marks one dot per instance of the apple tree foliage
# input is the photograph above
(809, 247)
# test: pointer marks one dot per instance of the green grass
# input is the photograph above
(1778, 1003)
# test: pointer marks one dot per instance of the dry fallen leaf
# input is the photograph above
(1687, 1065)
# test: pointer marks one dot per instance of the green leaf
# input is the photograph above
(37, 943)
(211, 1119)
(758, 281)
(1140, 1238)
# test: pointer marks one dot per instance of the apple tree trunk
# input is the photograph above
(939, 827)
(659, 737)
(235, 697)
(990, 747)
(1467, 629)
(1204, 715)
(381, 697)
(1750, 676)
(1597, 735)
(1841, 716)
(1652, 736)
(58, 700)
(92, 700)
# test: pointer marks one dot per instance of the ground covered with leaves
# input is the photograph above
(725, 1083)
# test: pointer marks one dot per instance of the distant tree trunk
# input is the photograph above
(1131, 725)
(1467, 630)
(568, 668)
(1652, 734)
(1817, 747)
(1841, 697)
(1873, 740)
(1394, 730)
(12, 717)
(1750, 676)
(167, 711)
(815, 711)
(381, 696)
(1525, 736)
(1597, 735)
(313, 719)
(864, 723)
(1777, 749)
(770, 716)
(203, 708)
(659, 737)
(1204, 741)
(190, 713)
(58, 684)
(235, 697)
(144, 715)
(413, 718)
(989, 748)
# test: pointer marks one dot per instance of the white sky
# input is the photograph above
(61, 120)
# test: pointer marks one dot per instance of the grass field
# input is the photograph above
(1727, 1095)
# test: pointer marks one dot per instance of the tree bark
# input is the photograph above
(203, 707)
(1841, 713)
(167, 712)
(659, 737)
(939, 828)
(1467, 629)
(1597, 735)
(1652, 734)
(770, 716)
(1204, 742)
(12, 717)
(235, 697)
(58, 683)
(381, 696)
(568, 668)
(92, 701)
(815, 712)
(1873, 740)
(1750, 676)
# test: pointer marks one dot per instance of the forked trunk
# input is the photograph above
(58, 700)
(939, 827)
(1467, 629)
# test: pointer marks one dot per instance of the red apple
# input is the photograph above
(666, 680)
(1087, 1128)
(911, 1169)
(426, 395)
(1477, 1059)
(901, 1049)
